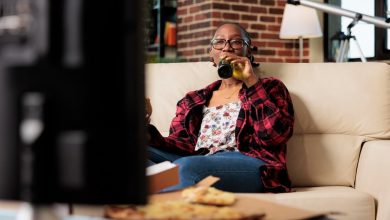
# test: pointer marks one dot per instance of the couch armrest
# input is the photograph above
(373, 175)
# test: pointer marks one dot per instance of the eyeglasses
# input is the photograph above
(236, 44)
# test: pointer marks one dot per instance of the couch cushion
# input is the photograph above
(338, 98)
(323, 159)
(167, 83)
(372, 176)
(337, 107)
(343, 202)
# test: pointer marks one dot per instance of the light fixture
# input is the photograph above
(299, 22)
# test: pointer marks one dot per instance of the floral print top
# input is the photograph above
(217, 128)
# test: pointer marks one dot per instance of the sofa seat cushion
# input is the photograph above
(342, 202)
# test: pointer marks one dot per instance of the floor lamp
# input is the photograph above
(299, 22)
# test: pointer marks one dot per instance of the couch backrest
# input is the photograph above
(337, 106)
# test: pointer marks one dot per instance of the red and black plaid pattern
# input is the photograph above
(264, 125)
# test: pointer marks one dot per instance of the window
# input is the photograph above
(373, 41)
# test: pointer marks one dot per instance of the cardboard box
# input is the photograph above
(162, 175)
(166, 174)
(254, 207)
(250, 206)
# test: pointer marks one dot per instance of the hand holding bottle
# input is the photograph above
(237, 67)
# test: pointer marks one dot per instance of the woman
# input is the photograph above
(235, 128)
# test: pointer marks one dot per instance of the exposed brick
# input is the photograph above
(205, 7)
(275, 60)
(216, 14)
(195, 59)
(266, 52)
(260, 59)
(291, 60)
(249, 17)
(231, 16)
(269, 36)
(182, 11)
(285, 53)
(200, 25)
(244, 25)
(254, 35)
(217, 23)
(200, 51)
(240, 8)
(250, 1)
(204, 42)
(187, 53)
(267, 19)
(267, 2)
(291, 45)
(273, 27)
(181, 45)
(194, 9)
(258, 44)
(184, 2)
(257, 9)
(258, 26)
(205, 59)
(220, 6)
(182, 28)
(179, 20)
(208, 33)
(275, 44)
(278, 11)
(188, 19)
(281, 3)
(203, 16)
(261, 18)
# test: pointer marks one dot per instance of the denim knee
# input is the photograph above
(192, 168)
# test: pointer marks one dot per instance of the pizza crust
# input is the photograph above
(208, 196)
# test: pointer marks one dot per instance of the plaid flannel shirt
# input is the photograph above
(265, 123)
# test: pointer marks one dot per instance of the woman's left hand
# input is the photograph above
(148, 110)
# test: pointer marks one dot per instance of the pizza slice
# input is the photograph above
(208, 196)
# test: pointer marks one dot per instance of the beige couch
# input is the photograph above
(339, 156)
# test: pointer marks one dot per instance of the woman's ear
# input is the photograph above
(251, 57)
(249, 52)
(212, 60)
(211, 57)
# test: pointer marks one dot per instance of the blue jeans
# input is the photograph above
(237, 172)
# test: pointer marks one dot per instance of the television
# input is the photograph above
(72, 125)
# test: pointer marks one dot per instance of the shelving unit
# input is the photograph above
(163, 11)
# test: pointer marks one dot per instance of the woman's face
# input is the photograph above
(228, 32)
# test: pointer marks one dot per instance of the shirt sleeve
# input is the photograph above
(178, 140)
(271, 112)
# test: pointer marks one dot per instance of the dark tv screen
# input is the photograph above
(72, 103)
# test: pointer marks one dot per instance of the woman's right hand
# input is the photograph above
(148, 110)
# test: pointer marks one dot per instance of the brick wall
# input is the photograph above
(198, 20)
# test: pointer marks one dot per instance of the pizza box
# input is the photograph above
(249, 205)
(162, 175)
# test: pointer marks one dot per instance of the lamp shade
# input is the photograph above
(299, 22)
